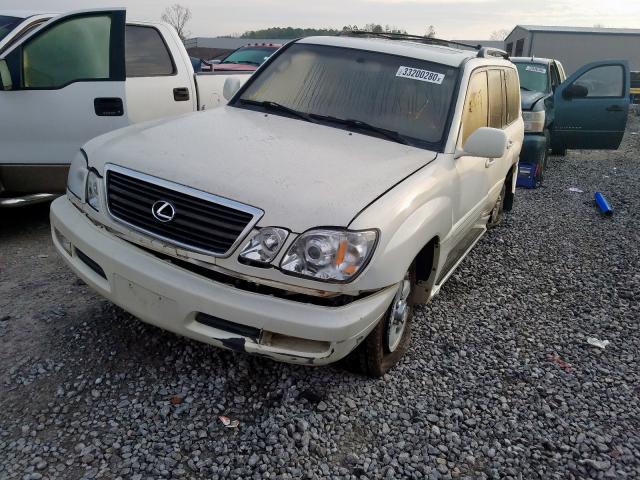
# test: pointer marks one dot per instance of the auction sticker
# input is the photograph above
(531, 68)
(422, 75)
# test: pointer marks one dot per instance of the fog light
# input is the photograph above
(63, 241)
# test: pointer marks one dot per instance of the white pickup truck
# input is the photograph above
(68, 78)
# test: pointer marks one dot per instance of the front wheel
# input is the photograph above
(389, 340)
(498, 208)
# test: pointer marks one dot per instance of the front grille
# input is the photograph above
(202, 222)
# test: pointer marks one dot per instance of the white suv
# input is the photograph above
(350, 176)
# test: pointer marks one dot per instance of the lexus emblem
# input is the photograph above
(163, 211)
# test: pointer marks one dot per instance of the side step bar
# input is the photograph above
(27, 200)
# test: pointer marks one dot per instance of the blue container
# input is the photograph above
(603, 204)
(526, 175)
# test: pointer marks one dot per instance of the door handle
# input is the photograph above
(108, 107)
(181, 94)
(489, 162)
(614, 108)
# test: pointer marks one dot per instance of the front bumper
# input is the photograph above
(175, 299)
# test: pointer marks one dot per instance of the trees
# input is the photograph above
(431, 31)
(499, 34)
(177, 16)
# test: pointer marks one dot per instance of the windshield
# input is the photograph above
(250, 55)
(402, 95)
(7, 24)
(533, 76)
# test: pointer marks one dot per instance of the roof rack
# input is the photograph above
(406, 36)
(492, 52)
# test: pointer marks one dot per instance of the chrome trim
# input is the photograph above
(177, 187)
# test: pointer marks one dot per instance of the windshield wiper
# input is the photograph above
(390, 134)
(269, 105)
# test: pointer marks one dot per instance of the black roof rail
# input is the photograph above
(406, 36)
(492, 52)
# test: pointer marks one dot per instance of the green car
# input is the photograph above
(587, 110)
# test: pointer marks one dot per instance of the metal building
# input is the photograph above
(575, 46)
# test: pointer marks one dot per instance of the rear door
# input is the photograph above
(591, 106)
(68, 86)
(159, 83)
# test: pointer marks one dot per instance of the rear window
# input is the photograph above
(7, 24)
(250, 55)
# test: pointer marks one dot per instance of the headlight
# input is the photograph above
(264, 245)
(329, 255)
(76, 179)
(533, 121)
(93, 190)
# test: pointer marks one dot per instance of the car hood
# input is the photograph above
(302, 175)
(529, 99)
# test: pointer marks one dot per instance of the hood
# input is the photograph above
(529, 99)
(302, 175)
(229, 67)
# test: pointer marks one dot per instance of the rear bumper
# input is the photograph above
(178, 300)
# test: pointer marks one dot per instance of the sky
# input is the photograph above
(469, 19)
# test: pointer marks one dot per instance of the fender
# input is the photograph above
(414, 213)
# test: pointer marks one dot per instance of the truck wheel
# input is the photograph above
(542, 166)
(389, 340)
(498, 209)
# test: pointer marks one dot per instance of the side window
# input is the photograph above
(74, 50)
(476, 105)
(519, 47)
(146, 54)
(513, 95)
(603, 81)
(496, 100)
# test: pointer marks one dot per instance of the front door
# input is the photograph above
(68, 86)
(591, 106)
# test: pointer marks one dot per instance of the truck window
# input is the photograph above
(74, 50)
(513, 95)
(476, 105)
(603, 81)
(555, 76)
(146, 54)
(496, 100)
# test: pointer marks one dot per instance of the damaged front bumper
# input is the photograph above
(178, 300)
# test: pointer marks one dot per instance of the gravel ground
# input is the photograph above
(500, 381)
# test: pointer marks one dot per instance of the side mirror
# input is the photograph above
(485, 142)
(575, 91)
(5, 76)
(231, 87)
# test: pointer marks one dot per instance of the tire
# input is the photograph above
(559, 151)
(498, 209)
(541, 169)
(387, 343)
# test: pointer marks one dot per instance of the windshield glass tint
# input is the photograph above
(533, 76)
(404, 95)
(7, 24)
(250, 56)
